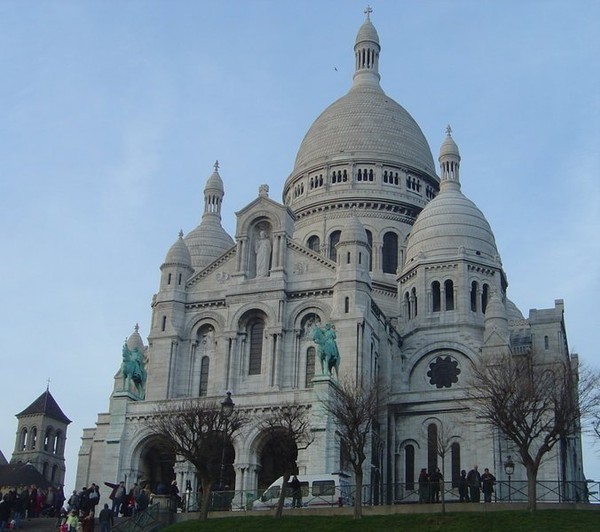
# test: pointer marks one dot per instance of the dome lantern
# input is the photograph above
(449, 160)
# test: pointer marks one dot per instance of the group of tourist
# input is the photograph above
(470, 485)
(29, 502)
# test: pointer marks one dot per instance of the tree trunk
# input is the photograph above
(281, 502)
(358, 495)
(531, 488)
(205, 500)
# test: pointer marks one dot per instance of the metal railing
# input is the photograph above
(145, 520)
(504, 491)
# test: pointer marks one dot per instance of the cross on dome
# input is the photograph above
(368, 12)
(448, 130)
(216, 166)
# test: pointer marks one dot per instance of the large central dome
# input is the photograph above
(365, 123)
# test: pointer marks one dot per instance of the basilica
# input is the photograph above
(370, 239)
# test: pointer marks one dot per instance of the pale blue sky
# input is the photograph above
(112, 114)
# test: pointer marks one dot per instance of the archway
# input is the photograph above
(273, 462)
(156, 466)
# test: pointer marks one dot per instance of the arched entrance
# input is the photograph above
(274, 457)
(156, 466)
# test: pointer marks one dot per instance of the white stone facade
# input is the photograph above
(359, 242)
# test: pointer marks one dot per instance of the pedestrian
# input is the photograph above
(296, 492)
(106, 519)
(474, 482)
(487, 482)
(463, 487)
(423, 486)
(435, 480)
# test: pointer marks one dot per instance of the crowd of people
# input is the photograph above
(78, 513)
(29, 502)
(470, 485)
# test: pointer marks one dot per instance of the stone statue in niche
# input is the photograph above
(262, 248)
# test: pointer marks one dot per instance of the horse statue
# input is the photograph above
(133, 371)
(327, 349)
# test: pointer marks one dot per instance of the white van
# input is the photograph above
(317, 491)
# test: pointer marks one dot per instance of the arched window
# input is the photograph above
(409, 467)
(45, 469)
(23, 443)
(432, 447)
(449, 293)
(455, 461)
(256, 331)
(546, 343)
(370, 240)
(314, 243)
(204, 376)
(415, 302)
(484, 297)
(48, 439)
(334, 238)
(436, 298)
(57, 442)
(310, 366)
(390, 253)
(346, 305)
(33, 438)
(474, 290)
(163, 325)
(54, 471)
(407, 305)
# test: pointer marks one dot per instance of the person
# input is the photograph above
(296, 492)
(117, 496)
(93, 498)
(463, 487)
(174, 493)
(487, 483)
(87, 521)
(4, 512)
(423, 486)
(436, 483)
(263, 255)
(73, 521)
(142, 501)
(106, 519)
(474, 482)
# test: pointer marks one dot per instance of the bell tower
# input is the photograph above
(41, 438)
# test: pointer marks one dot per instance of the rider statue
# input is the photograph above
(328, 352)
(133, 371)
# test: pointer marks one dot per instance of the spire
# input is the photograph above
(213, 195)
(366, 53)
(449, 160)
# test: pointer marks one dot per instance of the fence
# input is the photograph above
(504, 491)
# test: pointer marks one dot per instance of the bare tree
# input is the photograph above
(354, 408)
(196, 430)
(534, 403)
(288, 428)
(445, 436)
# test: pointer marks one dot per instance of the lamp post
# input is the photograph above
(509, 469)
(226, 410)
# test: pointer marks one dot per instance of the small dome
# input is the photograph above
(179, 253)
(367, 32)
(451, 223)
(354, 231)
(207, 242)
(214, 182)
(513, 312)
(449, 147)
(135, 340)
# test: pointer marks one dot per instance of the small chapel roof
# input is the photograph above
(47, 405)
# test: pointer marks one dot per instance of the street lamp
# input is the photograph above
(509, 469)
(226, 410)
